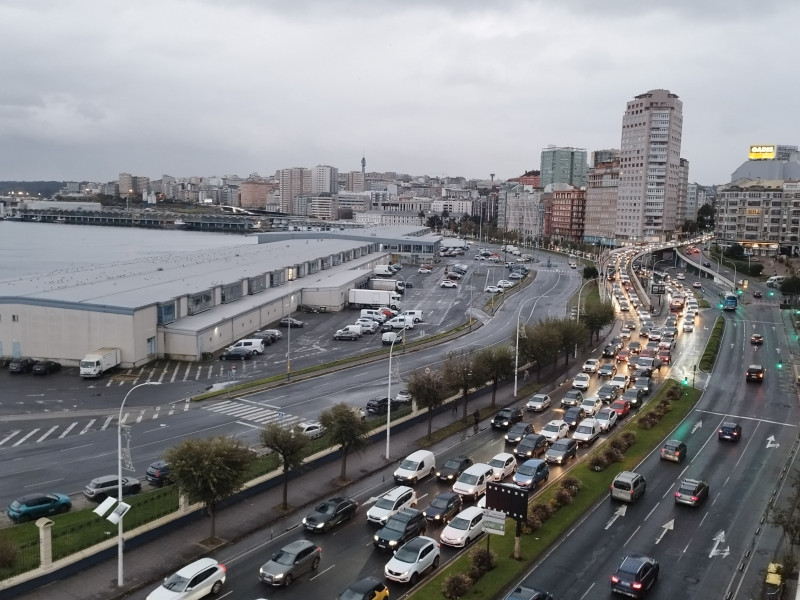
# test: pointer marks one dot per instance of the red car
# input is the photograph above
(623, 355)
(665, 356)
(621, 407)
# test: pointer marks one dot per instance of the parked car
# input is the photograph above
(45, 367)
(310, 429)
(424, 270)
(291, 322)
(379, 405)
(21, 365)
(330, 513)
(691, 492)
(561, 451)
(453, 467)
(493, 289)
(635, 576)
(101, 488)
(443, 507)
(538, 403)
(345, 335)
(34, 506)
(447, 283)
(506, 417)
(203, 577)
(412, 560)
(237, 354)
(158, 473)
(290, 562)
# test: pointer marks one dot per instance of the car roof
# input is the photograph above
(364, 585)
(470, 512)
(296, 546)
(395, 492)
(729, 424)
(507, 455)
(195, 567)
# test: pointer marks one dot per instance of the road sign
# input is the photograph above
(658, 289)
(494, 521)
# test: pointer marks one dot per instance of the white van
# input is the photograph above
(354, 328)
(587, 431)
(414, 314)
(401, 323)
(416, 466)
(472, 482)
(775, 281)
(375, 315)
(256, 345)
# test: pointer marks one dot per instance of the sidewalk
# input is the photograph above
(146, 564)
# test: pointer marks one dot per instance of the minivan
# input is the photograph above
(416, 466)
(472, 482)
(775, 281)
(401, 323)
(414, 314)
(254, 344)
(628, 486)
(375, 315)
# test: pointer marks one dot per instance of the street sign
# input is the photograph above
(494, 521)
(658, 289)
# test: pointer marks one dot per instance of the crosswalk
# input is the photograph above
(36, 435)
(251, 412)
(172, 372)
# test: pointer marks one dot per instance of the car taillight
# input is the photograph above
(694, 498)
(636, 585)
(221, 566)
(677, 494)
(614, 579)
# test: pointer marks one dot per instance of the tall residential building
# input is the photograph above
(291, 184)
(563, 165)
(650, 176)
(519, 209)
(255, 193)
(356, 182)
(604, 156)
(601, 203)
(683, 184)
(324, 180)
(565, 212)
(126, 185)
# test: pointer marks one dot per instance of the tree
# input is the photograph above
(461, 373)
(572, 334)
(790, 286)
(495, 363)
(705, 217)
(345, 429)
(540, 343)
(290, 448)
(427, 390)
(597, 315)
(735, 251)
(590, 272)
(208, 470)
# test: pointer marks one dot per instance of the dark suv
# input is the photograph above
(755, 373)
(21, 365)
(158, 473)
(101, 488)
(571, 398)
(635, 576)
(730, 431)
(407, 524)
(379, 405)
(506, 417)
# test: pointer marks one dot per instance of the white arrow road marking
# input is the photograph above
(771, 442)
(718, 539)
(668, 526)
(620, 512)
(697, 426)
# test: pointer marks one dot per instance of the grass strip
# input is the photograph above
(712, 346)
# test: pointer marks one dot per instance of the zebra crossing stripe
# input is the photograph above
(88, 427)
(49, 431)
(21, 440)
(9, 436)
(67, 430)
(106, 423)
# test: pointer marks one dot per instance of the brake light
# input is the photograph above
(221, 566)
(614, 579)
(637, 585)
(694, 498)
(677, 494)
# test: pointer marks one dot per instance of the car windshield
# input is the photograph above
(326, 508)
(459, 523)
(439, 502)
(603, 415)
(386, 503)
(558, 446)
(496, 462)
(396, 525)
(526, 470)
(408, 465)
(503, 414)
(176, 583)
(284, 558)
(452, 464)
(584, 429)
(407, 555)
(551, 427)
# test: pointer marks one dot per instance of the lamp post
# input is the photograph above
(578, 312)
(516, 347)
(120, 543)
(389, 394)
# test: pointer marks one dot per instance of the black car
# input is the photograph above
(379, 405)
(634, 396)
(158, 473)
(573, 416)
(755, 373)
(45, 367)
(610, 351)
(571, 398)
(644, 384)
(608, 393)
(617, 343)
(407, 524)
(635, 576)
(517, 432)
(730, 431)
(561, 451)
(444, 507)
(706, 264)
(506, 417)
(330, 513)
(453, 468)
(531, 446)
(237, 354)
(21, 365)
(674, 450)
(290, 322)
(758, 294)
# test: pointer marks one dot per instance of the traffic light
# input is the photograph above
(780, 364)
(685, 380)
(738, 291)
(719, 305)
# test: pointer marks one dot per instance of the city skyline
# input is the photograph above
(444, 89)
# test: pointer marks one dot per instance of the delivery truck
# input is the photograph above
(373, 299)
(98, 362)
(392, 285)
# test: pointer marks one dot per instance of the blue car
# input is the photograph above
(531, 472)
(35, 506)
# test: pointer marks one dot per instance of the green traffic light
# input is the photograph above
(685, 381)
(780, 365)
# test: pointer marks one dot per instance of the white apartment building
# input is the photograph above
(650, 176)
(324, 180)
(520, 209)
(292, 183)
(454, 208)
(602, 187)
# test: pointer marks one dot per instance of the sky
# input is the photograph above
(93, 88)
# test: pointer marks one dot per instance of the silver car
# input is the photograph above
(292, 561)
(201, 578)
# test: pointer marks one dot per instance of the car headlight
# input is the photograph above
(375, 537)
(319, 525)
(278, 576)
(393, 542)
(438, 474)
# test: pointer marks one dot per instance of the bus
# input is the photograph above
(730, 301)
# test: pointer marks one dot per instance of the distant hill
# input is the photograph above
(34, 188)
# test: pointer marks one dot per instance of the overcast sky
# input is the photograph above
(92, 88)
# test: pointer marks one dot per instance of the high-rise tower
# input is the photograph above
(650, 167)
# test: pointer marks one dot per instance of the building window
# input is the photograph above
(15, 318)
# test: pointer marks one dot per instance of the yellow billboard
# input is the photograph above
(762, 152)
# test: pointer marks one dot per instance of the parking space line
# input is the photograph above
(88, 426)
(9, 436)
(21, 440)
(48, 432)
(106, 423)
(69, 428)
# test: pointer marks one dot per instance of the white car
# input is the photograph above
(493, 289)
(688, 326)
(697, 285)
(424, 270)
(620, 380)
(201, 578)
(311, 429)
(606, 418)
(504, 465)
(591, 366)
(391, 503)
(448, 284)
(516, 275)
(413, 559)
(479, 257)
(463, 528)
(591, 405)
(689, 316)
(625, 333)
(367, 324)
(581, 381)
(505, 284)
(538, 403)
(555, 430)
(680, 276)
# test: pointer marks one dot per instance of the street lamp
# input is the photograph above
(516, 347)
(578, 312)
(389, 394)
(120, 543)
